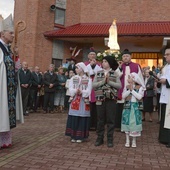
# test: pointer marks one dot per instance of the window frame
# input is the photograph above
(56, 16)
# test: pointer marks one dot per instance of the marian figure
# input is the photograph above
(113, 44)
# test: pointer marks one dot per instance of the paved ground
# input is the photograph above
(40, 144)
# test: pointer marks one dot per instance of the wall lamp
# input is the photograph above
(52, 7)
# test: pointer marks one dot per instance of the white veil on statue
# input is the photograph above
(113, 44)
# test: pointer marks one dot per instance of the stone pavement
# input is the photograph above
(40, 144)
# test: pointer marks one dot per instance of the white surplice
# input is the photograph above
(165, 95)
(93, 71)
(4, 115)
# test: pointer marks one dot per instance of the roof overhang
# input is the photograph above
(92, 30)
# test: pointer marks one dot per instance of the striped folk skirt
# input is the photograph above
(77, 127)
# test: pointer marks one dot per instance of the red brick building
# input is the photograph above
(50, 33)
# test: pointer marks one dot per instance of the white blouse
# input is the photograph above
(135, 95)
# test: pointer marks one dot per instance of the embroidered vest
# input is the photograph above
(106, 91)
(83, 85)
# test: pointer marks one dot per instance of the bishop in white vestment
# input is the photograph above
(8, 115)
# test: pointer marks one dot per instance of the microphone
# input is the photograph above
(153, 75)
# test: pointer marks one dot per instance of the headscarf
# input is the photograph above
(82, 66)
(137, 79)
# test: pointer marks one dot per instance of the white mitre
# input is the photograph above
(7, 24)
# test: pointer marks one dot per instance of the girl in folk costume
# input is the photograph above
(106, 83)
(80, 87)
(132, 116)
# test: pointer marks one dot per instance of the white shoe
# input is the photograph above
(127, 144)
(134, 142)
(27, 112)
(79, 141)
(73, 140)
(133, 145)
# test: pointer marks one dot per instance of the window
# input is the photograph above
(60, 16)
(57, 62)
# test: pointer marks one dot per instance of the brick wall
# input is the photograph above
(33, 47)
(73, 12)
(37, 50)
(125, 10)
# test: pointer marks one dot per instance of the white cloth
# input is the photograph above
(82, 66)
(136, 78)
(93, 71)
(19, 107)
(4, 115)
(7, 24)
(113, 44)
(127, 71)
(67, 87)
(165, 93)
(135, 95)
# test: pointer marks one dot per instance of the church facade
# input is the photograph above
(53, 27)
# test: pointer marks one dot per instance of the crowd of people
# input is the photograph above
(110, 93)
(90, 91)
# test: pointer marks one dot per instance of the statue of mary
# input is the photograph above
(113, 44)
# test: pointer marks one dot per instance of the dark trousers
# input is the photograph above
(41, 101)
(118, 119)
(25, 94)
(106, 116)
(49, 101)
(33, 99)
(158, 104)
(163, 132)
(93, 115)
(66, 103)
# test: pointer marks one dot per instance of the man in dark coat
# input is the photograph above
(50, 82)
(25, 82)
(34, 90)
(72, 65)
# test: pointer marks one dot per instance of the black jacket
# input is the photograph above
(72, 67)
(25, 78)
(36, 80)
(150, 87)
(50, 79)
